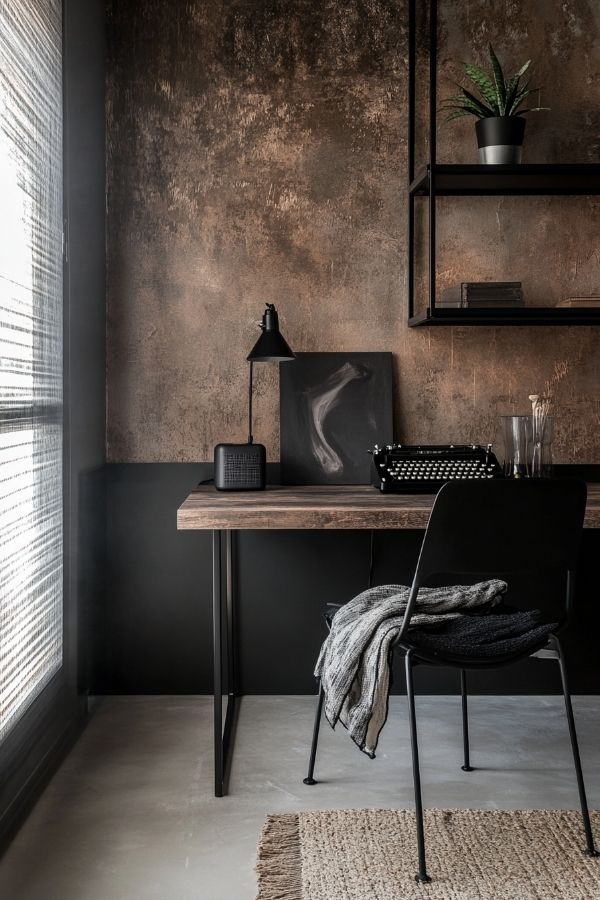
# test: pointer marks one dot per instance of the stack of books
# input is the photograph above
(483, 295)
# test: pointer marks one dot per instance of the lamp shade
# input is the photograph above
(271, 345)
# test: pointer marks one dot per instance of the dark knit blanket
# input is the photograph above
(485, 637)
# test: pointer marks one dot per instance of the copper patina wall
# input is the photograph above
(257, 152)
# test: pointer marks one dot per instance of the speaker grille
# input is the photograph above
(241, 468)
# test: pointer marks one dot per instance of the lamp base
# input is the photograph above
(240, 467)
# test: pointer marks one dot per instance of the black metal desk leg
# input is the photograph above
(217, 647)
(232, 688)
(223, 730)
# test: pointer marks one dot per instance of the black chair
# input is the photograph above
(493, 529)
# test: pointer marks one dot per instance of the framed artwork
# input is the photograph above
(334, 408)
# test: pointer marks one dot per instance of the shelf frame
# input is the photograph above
(525, 315)
(477, 180)
(412, 118)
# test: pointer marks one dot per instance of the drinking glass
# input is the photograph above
(517, 432)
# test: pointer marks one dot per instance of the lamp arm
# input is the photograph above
(250, 436)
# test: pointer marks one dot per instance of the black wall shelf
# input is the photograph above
(527, 315)
(435, 180)
(524, 180)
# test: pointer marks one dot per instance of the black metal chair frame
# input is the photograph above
(492, 529)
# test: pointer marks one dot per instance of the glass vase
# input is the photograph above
(527, 446)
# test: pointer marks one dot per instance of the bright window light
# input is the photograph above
(31, 358)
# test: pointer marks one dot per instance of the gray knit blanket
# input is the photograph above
(355, 659)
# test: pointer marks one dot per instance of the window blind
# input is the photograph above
(31, 357)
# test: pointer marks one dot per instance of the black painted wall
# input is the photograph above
(154, 631)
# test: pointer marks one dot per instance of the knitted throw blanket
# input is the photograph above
(354, 662)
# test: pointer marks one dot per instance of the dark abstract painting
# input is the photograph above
(334, 408)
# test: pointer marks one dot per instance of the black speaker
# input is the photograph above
(240, 467)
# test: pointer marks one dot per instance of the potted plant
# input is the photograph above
(500, 125)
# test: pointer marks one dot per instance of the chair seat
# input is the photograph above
(476, 640)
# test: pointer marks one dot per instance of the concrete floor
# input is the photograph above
(131, 816)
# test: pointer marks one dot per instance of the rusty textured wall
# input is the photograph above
(257, 152)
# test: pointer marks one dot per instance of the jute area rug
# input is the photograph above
(471, 855)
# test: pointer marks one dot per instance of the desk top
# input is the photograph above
(319, 506)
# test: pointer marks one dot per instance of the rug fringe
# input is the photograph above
(278, 864)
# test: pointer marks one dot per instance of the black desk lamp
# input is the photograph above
(242, 467)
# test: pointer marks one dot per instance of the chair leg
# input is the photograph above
(315, 739)
(589, 838)
(421, 875)
(467, 767)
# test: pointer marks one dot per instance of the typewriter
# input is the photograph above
(424, 469)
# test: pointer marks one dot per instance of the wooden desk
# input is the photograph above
(223, 513)
(348, 506)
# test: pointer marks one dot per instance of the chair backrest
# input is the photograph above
(494, 528)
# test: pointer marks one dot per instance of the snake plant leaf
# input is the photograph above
(459, 101)
(458, 114)
(522, 92)
(484, 110)
(483, 84)
(516, 110)
(523, 69)
(498, 79)
(522, 95)
(467, 107)
(454, 99)
(512, 89)
(521, 112)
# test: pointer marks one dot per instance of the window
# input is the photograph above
(31, 357)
